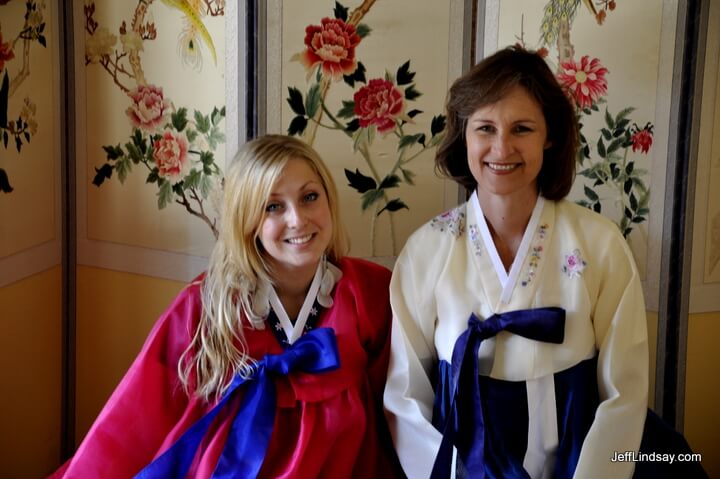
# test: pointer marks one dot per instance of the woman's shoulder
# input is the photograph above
(444, 228)
(363, 268)
(585, 220)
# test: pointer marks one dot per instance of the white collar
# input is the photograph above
(507, 280)
(326, 276)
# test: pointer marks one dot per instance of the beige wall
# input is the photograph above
(30, 361)
(702, 389)
(115, 312)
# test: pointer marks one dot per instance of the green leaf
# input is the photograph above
(609, 121)
(41, 40)
(139, 141)
(390, 181)
(591, 194)
(179, 119)
(629, 168)
(437, 125)
(622, 124)
(353, 126)
(597, 207)
(633, 202)
(5, 182)
(624, 113)
(360, 182)
(370, 197)
(312, 100)
(363, 30)
(102, 173)
(207, 158)
(297, 126)
(393, 205)
(133, 152)
(614, 145)
(413, 113)
(340, 12)
(295, 100)
(123, 167)
(638, 219)
(408, 176)
(627, 187)
(215, 137)
(192, 180)
(601, 148)
(347, 110)
(191, 135)
(165, 194)
(357, 76)
(217, 115)
(408, 140)
(206, 185)
(153, 176)
(606, 133)
(628, 213)
(113, 152)
(202, 122)
(404, 76)
(411, 93)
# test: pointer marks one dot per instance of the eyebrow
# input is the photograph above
(304, 186)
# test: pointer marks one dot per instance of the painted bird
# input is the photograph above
(193, 16)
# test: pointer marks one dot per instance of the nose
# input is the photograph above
(296, 216)
(502, 145)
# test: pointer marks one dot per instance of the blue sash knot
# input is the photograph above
(463, 420)
(249, 437)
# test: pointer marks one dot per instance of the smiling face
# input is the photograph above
(505, 143)
(297, 227)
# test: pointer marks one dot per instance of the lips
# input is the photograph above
(501, 167)
(299, 240)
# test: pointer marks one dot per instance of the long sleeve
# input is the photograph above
(621, 339)
(145, 406)
(409, 392)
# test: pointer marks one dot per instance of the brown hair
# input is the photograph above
(488, 82)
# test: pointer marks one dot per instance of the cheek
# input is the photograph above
(268, 232)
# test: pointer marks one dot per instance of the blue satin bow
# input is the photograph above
(464, 426)
(249, 436)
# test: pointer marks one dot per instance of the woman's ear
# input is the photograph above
(548, 144)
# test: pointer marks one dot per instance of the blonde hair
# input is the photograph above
(238, 262)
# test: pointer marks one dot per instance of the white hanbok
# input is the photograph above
(569, 258)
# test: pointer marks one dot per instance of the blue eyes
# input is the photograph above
(492, 129)
(277, 206)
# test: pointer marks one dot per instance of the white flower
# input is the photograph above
(101, 43)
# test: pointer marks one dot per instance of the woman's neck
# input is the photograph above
(292, 287)
(507, 219)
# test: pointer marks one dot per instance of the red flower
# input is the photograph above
(149, 109)
(331, 44)
(379, 103)
(642, 139)
(584, 81)
(6, 52)
(170, 153)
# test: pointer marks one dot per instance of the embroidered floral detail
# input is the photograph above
(535, 254)
(475, 239)
(452, 221)
(574, 264)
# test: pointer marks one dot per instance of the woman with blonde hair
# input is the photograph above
(273, 363)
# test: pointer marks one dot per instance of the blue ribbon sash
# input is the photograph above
(463, 420)
(249, 437)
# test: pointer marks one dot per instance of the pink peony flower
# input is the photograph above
(170, 153)
(6, 52)
(584, 81)
(149, 109)
(642, 139)
(331, 44)
(379, 103)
